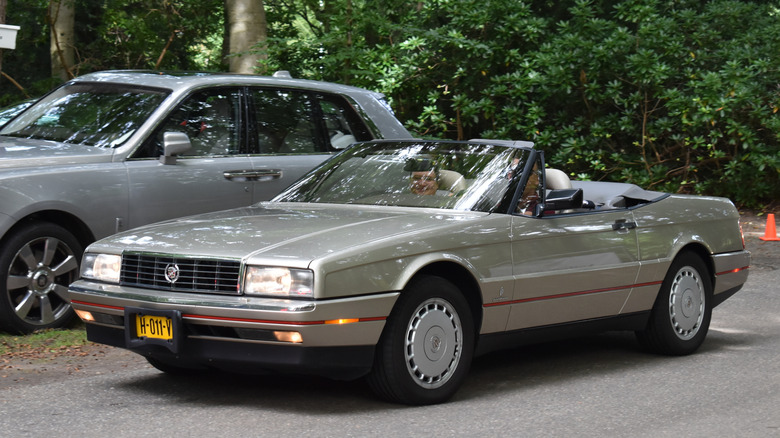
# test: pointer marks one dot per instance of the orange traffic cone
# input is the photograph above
(771, 232)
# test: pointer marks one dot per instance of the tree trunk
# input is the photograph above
(248, 31)
(62, 15)
(2, 21)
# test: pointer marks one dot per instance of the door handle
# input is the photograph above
(622, 224)
(253, 175)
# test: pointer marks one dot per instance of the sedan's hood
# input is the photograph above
(18, 152)
(292, 233)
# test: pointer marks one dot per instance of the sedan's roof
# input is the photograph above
(178, 80)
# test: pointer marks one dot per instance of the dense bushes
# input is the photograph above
(679, 96)
(675, 95)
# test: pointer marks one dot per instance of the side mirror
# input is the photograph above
(565, 199)
(174, 143)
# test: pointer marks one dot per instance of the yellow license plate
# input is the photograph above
(150, 326)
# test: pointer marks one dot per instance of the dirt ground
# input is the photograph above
(42, 366)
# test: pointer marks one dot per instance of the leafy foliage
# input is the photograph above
(674, 95)
(679, 95)
(115, 34)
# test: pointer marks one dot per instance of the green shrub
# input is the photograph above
(679, 95)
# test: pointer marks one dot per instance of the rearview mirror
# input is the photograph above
(174, 143)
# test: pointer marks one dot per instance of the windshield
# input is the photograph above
(102, 115)
(10, 112)
(431, 174)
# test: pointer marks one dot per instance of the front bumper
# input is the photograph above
(334, 338)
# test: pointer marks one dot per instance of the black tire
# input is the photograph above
(37, 263)
(427, 345)
(681, 315)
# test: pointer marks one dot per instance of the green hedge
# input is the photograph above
(680, 96)
(674, 95)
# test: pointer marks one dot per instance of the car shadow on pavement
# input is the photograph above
(274, 392)
(522, 370)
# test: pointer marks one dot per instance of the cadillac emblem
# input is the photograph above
(172, 273)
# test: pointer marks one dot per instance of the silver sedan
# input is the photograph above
(110, 151)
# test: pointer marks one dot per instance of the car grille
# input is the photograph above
(185, 274)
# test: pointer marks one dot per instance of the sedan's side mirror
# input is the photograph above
(174, 143)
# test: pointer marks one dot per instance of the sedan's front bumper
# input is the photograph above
(327, 337)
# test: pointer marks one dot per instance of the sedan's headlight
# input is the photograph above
(278, 282)
(101, 267)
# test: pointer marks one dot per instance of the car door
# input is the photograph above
(570, 266)
(294, 131)
(205, 177)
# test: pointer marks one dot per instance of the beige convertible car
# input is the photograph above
(401, 260)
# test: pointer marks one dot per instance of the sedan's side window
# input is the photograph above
(285, 122)
(343, 126)
(211, 120)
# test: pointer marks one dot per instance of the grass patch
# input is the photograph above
(43, 342)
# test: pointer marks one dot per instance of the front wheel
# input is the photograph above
(681, 315)
(37, 263)
(427, 346)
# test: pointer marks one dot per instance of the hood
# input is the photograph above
(288, 233)
(22, 152)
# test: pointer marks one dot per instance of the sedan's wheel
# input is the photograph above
(37, 263)
(681, 315)
(427, 345)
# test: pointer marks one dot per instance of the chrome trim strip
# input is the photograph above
(192, 299)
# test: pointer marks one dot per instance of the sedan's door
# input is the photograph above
(203, 178)
(192, 185)
(294, 131)
(274, 173)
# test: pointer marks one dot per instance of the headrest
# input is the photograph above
(418, 165)
(452, 181)
(556, 179)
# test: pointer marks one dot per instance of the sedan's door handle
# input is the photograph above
(622, 224)
(253, 175)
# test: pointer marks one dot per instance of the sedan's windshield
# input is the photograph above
(102, 115)
(432, 174)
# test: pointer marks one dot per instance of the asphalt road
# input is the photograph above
(596, 386)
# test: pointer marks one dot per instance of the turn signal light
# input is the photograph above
(342, 321)
(85, 316)
(292, 337)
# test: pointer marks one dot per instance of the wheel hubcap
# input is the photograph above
(38, 280)
(42, 281)
(434, 340)
(686, 303)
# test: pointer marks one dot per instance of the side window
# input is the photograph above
(532, 192)
(211, 119)
(343, 126)
(285, 122)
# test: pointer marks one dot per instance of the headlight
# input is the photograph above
(278, 282)
(101, 267)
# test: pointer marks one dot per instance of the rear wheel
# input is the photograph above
(681, 315)
(37, 263)
(427, 346)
